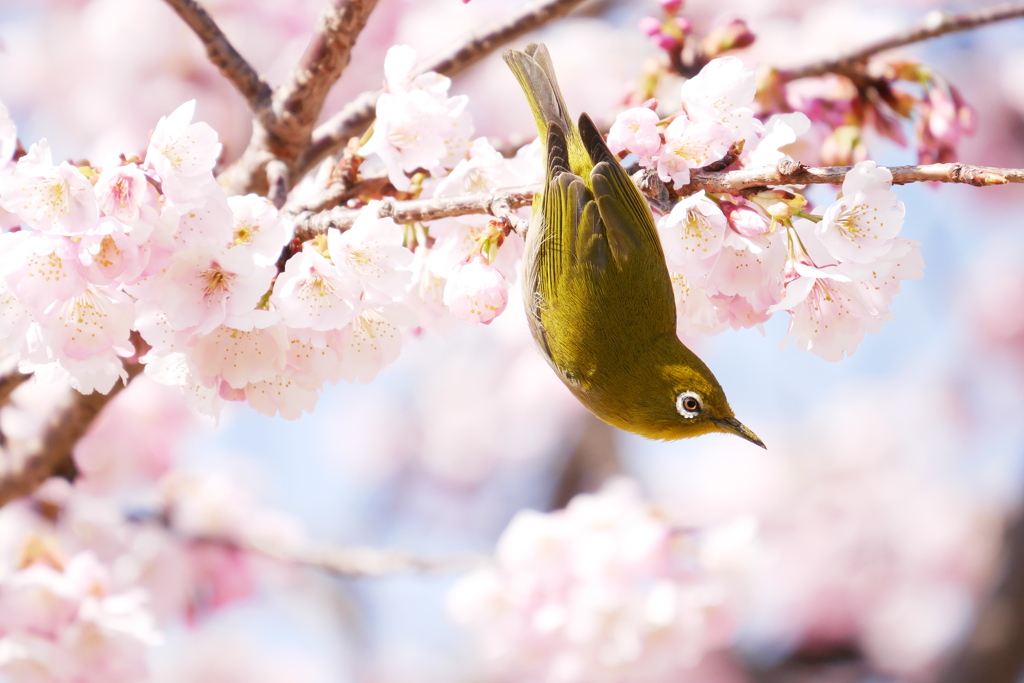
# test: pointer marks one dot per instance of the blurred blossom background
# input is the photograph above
(858, 547)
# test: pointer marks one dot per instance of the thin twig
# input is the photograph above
(935, 24)
(367, 562)
(732, 182)
(54, 454)
(498, 203)
(222, 53)
(330, 136)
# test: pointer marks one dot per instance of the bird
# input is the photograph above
(597, 291)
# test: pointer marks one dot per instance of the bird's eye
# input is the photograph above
(689, 404)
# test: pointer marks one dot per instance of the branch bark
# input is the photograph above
(54, 454)
(222, 53)
(283, 127)
(356, 117)
(936, 23)
(500, 202)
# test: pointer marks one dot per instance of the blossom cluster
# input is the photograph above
(735, 261)
(605, 590)
(148, 256)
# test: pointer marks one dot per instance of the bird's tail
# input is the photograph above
(536, 75)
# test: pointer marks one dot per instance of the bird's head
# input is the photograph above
(675, 397)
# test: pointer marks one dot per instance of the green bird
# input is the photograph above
(597, 291)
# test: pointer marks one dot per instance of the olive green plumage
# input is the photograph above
(597, 291)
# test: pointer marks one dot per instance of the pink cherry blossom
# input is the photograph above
(257, 225)
(605, 590)
(253, 350)
(861, 225)
(780, 131)
(289, 394)
(417, 125)
(120, 190)
(723, 91)
(696, 314)
(205, 286)
(41, 270)
(829, 315)
(373, 253)
(476, 292)
(110, 252)
(369, 343)
(56, 199)
(692, 234)
(182, 155)
(691, 145)
(635, 130)
(314, 293)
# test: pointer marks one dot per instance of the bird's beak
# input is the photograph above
(734, 426)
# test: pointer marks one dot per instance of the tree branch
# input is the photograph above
(362, 562)
(11, 381)
(935, 24)
(500, 202)
(298, 102)
(333, 134)
(222, 53)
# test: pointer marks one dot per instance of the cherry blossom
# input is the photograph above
(692, 234)
(56, 199)
(314, 293)
(373, 253)
(182, 155)
(476, 292)
(723, 91)
(417, 125)
(257, 226)
(861, 225)
(635, 130)
(690, 145)
(120, 190)
(604, 590)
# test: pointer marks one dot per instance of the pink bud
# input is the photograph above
(650, 26)
(476, 291)
(666, 42)
(672, 6)
(684, 25)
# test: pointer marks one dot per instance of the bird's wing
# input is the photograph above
(624, 214)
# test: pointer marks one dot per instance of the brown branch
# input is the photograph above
(11, 381)
(352, 120)
(54, 454)
(277, 182)
(298, 102)
(935, 24)
(222, 53)
(993, 651)
(499, 202)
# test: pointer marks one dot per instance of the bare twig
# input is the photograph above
(222, 53)
(367, 562)
(733, 182)
(329, 137)
(499, 204)
(594, 460)
(993, 652)
(935, 24)
(54, 454)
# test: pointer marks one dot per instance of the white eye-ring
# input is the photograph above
(689, 404)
